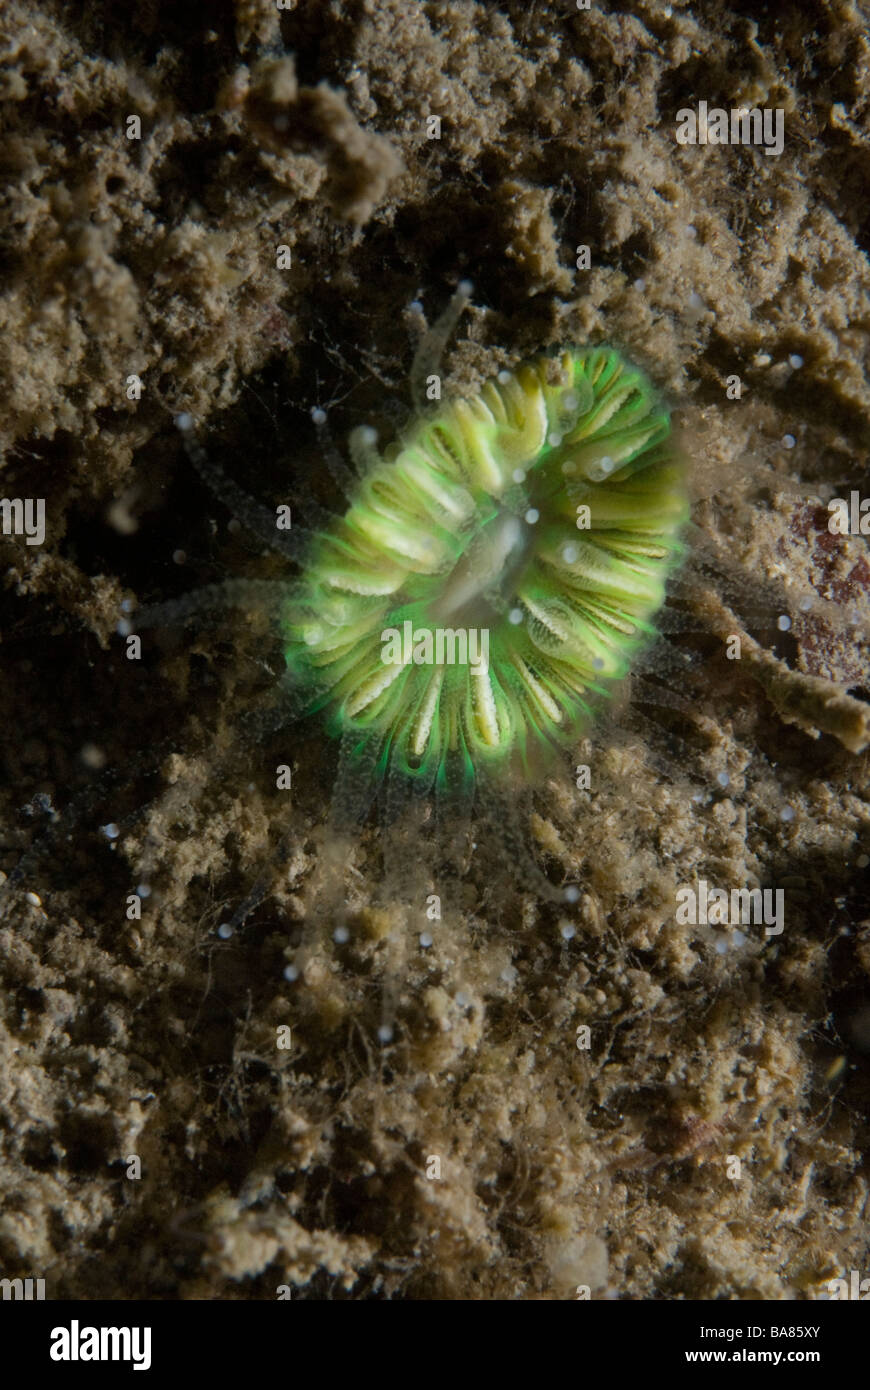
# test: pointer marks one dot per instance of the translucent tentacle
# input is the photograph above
(431, 347)
(259, 520)
(233, 593)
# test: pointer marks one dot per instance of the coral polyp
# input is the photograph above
(497, 570)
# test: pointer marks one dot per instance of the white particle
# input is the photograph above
(738, 938)
(805, 604)
(110, 831)
(368, 436)
(341, 935)
(123, 627)
(695, 301)
(639, 284)
(34, 899)
(787, 813)
(425, 939)
(570, 400)
(504, 377)
(783, 622)
(795, 360)
(291, 973)
(462, 999)
(515, 616)
(519, 475)
(788, 441)
(721, 946)
(184, 422)
(225, 931)
(601, 468)
(318, 415)
(92, 756)
(509, 975)
(532, 515)
(127, 605)
(598, 663)
(691, 231)
(466, 287)
(554, 439)
(385, 1033)
(571, 894)
(569, 554)
(568, 930)
(723, 779)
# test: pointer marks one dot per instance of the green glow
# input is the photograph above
(470, 521)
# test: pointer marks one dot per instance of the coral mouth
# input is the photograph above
(475, 592)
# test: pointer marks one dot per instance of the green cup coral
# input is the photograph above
(497, 570)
